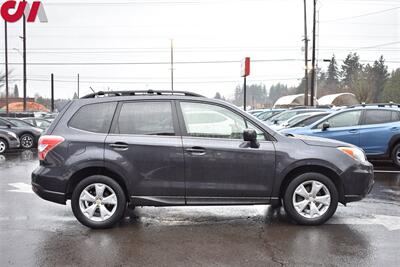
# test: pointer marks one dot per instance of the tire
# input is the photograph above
(396, 155)
(3, 146)
(324, 199)
(27, 141)
(81, 201)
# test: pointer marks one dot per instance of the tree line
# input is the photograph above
(370, 83)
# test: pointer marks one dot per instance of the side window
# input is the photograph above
(94, 117)
(205, 120)
(345, 119)
(377, 116)
(145, 118)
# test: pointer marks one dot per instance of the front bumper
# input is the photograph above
(13, 143)
(358, 181)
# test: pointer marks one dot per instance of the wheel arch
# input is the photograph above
(89, 171)
(392, 143)
(328, 172)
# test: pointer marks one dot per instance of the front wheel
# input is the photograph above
(98, 202)
(396, 155)
(310, 199)
(3, 146)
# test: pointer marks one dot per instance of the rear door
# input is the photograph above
(145, 144)
(377, 128)
(219, 166)
(344, 126)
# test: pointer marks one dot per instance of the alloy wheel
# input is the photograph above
(398, 155)
(3, 146)
(98, 202)
(27, 141)
(311, 199)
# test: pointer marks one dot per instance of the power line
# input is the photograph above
(362, 15)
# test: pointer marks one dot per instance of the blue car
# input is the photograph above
(374, 128)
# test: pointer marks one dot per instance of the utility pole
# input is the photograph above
(24, 56)
(78, 86)
(244, 94)
(172, 64)
(305, 55)
(6, 60)
(52, 92)
(313, 56)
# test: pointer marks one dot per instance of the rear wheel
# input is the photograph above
(310, 199)
(396, 155)
(27, 141)
(3, 146)
(98, 202)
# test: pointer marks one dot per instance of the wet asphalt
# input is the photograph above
(34, 232)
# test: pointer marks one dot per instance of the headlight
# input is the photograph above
(13, 135)
(354, 152)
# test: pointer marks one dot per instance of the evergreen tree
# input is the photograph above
(16, 91)
(75, 96)
(217, 96)
(391, 91)
(380, 74)
(351, 67)
(333, 73)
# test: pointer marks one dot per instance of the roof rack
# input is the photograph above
(141, 93)
(390, 104)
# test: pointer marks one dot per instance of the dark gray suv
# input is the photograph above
(113, 150)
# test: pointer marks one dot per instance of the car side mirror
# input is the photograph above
(8, 126)
(250, 135)
(275, 121)
(325, 126)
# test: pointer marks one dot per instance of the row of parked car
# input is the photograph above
(375, 127)
(22, 132)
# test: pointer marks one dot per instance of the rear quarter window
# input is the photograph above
(94, 118)
(379, 116)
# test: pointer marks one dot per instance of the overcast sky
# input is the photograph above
(125, 44)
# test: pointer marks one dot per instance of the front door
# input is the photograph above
(344, 127)
(219, 166)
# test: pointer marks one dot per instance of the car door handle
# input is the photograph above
(196, 150)
(119, 146)
(353, 131)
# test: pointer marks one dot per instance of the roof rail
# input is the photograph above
(140, 92)
(390, 104)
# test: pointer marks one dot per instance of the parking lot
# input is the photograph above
(35, 232)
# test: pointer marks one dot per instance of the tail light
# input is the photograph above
(47, 143)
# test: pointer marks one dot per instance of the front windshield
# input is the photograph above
(284, 116)
(20, 123)
(296, 119)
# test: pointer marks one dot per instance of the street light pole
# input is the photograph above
(305, 55)
(6, 60)
(313, 57)
(24, 56)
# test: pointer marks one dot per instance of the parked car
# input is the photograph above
(288, 114)
(28, 135)
(8, 140)
(298, 118)
(37, 122)
(374, 128)
(110, 150)
(265, 115)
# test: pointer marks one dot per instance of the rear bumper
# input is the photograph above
(358, 181)
(39, 180)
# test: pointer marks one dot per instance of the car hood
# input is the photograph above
(319, 141)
